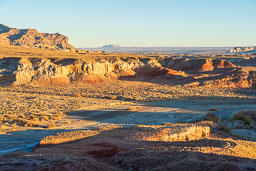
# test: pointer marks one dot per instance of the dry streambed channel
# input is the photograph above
(132, 114)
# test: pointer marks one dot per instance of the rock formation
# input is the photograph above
(19, 71)
(56, 71)
(249, 49)
(200, 65)
(32, 38)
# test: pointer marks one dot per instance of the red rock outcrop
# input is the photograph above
(222, 64)
(201, 65)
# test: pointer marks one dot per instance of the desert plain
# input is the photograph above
(112, 111)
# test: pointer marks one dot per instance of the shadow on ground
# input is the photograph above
(112, 149)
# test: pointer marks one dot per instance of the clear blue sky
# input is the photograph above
(93, 23)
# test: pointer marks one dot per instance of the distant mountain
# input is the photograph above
(163, 50)
(32, 38)
(111, 46)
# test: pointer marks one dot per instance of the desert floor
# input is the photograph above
(36, 112)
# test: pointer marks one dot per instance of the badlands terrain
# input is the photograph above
(66, 110)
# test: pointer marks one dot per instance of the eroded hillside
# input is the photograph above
(175, 71)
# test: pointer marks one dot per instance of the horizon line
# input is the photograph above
(173, 46)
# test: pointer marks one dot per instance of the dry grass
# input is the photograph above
(37, 106)
(21, 107)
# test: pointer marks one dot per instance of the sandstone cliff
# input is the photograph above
(56, 71)
(32, 38)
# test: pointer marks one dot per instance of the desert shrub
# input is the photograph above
(44, 118)
(60, 113)
(68, 121)
(1, 118)
(14, 125)
(211, 117)
(31, 116)
(213, 109)
(77, 95)
(1, 127)
(55, 118)
(235, 117)
(51, 125)
(21, 115)
(246, 116)
(112, 97)
(247, 120)
(26, 122)
(224, 129)
(36, 119)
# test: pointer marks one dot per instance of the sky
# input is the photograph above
(143, 23)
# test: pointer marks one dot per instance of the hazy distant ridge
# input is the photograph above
(113, 48)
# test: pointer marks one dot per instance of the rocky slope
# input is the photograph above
(56, 71)
(32, 38)
(156, 147)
